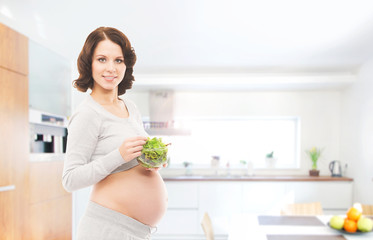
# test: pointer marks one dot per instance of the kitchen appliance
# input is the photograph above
(335, 168)
(48, 132)
(161, 115)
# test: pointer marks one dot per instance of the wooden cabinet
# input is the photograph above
(14, 124)
(14, 50)
(7, 215)
(51, 219)
(46, 175)
(51, 210)
(33, 204)
(14, 134)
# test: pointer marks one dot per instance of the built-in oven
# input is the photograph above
(48, 135)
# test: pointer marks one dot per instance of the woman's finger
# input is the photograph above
(135, 149)
(131, 144)
(136, 138)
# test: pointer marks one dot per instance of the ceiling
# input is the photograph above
(201, 36)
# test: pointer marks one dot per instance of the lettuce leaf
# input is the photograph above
(154, 153)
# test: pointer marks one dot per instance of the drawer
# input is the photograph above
(182, 195)
(179, 222)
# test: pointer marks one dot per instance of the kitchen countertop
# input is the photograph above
(46, 157)
(283, 178)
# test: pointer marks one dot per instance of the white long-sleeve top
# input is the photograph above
(93, 140)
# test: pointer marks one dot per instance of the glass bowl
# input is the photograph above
(153, 158)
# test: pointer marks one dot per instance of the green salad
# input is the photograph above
(153, 154)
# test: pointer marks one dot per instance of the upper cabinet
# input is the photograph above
(14, 134)
(14, 50)
(49, 73)
(50, 80)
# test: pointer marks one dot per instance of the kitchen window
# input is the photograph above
(235, 140)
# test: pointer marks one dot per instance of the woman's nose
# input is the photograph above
(110, 67)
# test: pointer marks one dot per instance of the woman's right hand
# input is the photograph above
(131, 147)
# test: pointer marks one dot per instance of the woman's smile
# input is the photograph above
(109, 78)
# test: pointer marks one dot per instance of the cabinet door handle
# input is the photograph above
(7, 188)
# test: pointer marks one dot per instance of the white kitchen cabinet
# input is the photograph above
(189, 200)
(182, 195)
(220, 200)
(179, 222)
(181, 217)
(262, 197)
(49, 80)
(334, 196)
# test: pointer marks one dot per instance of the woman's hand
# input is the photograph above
(131, 147)
(156, 169)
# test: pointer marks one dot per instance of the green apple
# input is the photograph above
(337, 222)
(365, 224)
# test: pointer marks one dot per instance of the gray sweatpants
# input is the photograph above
(101, 223)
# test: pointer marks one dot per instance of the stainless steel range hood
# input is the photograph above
(161, 106)
(161, 114)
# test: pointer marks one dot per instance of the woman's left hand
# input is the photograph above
(156, 169)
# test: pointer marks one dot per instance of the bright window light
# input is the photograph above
(233, 140)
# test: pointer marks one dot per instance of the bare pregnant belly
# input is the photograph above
(138, 193)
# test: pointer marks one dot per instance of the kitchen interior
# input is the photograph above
(244, 91)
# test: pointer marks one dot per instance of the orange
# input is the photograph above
(350, 225)
(353, 214)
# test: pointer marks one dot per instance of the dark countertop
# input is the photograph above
(275, 178)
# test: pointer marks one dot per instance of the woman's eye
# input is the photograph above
(101, 59)
(119, 60)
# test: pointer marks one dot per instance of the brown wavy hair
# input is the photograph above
(85, 79)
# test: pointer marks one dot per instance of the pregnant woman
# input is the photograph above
(105, 136)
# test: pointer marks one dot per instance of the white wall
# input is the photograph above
(357, 133)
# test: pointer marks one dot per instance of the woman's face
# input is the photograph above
(108, 66)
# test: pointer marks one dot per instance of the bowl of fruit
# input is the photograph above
(354, 222)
